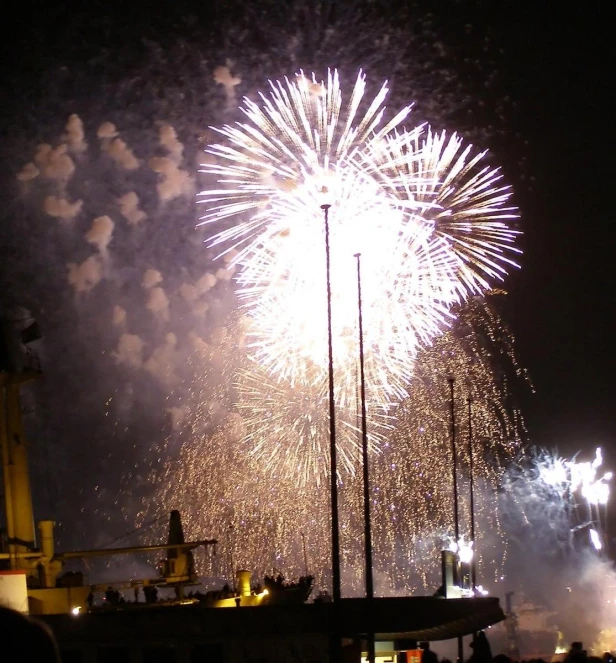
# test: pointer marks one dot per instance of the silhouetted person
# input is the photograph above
(482, 652)
(25, 640)
(577, 654)
(150, 593)
(427, 656)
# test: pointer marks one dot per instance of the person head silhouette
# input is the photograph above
(24, 640)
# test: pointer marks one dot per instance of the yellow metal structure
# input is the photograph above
(22, 552)
(48, 593)
(18, 502)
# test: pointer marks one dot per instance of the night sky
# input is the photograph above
(562, 301)
(552, 87)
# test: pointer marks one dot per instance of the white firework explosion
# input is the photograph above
(429, 219)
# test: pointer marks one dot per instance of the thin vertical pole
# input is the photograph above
(332, 421)
(454, 464)
(305, 554)
(366, 475)
(472, 495)
(454, 470)
(364, 442)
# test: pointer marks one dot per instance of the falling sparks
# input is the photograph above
(257, 492)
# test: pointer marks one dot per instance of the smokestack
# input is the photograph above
(243, 582)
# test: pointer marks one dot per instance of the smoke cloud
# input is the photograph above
(119, 316)
(169, 140)
(158, 303)
(130, 351)
(100, 233)
(129, 208)
(151, 277)
(119, 151)
(85, 276)
(223, 76)
(54, 163)
(75, 136)
(61, 208)
(173, 181)
(28, 172)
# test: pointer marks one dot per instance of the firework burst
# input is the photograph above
(429, 219)
(543, 487)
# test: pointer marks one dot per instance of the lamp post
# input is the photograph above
(332, 417)
(364, 450)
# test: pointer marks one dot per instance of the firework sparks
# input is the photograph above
(287, 428)
(410, 477)
(429, 219)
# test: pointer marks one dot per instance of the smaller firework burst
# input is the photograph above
(544, 487)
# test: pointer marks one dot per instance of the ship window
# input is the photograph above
(206, 653)
(159, 655)
(112, 655)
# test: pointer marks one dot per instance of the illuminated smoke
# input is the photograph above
(62, 208)
(224, 77)
(169, 140)
(119, 315)
(28, 172)
(129, 351)
(151, 277)
(129, 208)
(158, 303)
(119, 151)
(173, 181)
(85, 276)
(100, 233)
(75, 136)
(54, 163)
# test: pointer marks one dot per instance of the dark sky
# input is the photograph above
(562, 301)
(556, 149)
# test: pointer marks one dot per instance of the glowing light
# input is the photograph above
(463, 549)
(595, 539)
(584, 476)
(76, 610)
